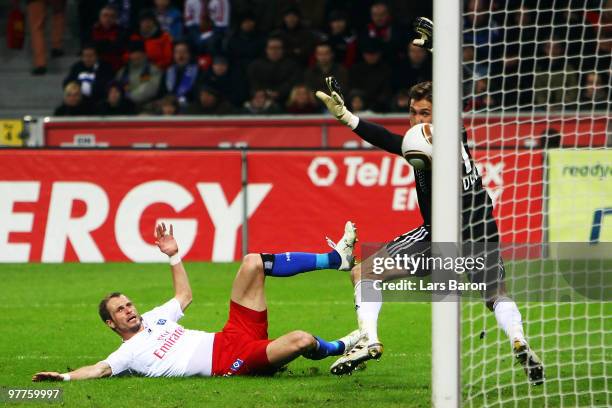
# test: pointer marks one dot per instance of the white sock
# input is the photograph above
(509, 319)
(368, 302)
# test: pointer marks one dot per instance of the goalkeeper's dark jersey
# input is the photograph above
(477, 208)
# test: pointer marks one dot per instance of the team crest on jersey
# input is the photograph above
(161, 322)
(236, 365)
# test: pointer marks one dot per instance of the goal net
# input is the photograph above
(536, 96)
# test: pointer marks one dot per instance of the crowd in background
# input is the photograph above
(219, 57)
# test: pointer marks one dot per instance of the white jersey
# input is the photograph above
(164, 348)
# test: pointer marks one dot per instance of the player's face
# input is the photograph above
(125, 317)
(420, 112)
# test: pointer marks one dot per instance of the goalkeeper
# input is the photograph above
(478, 224)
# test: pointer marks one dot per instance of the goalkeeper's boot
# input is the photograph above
(345, 246)
(354, 358)
(530, 361)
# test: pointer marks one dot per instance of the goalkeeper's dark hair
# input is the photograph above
(422, 90)
(102, 307)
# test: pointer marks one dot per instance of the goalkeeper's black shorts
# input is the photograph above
(417, 243)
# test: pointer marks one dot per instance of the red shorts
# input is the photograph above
(240, 347)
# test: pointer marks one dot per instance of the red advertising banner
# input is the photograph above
(182, 133)
(484, 131)
(96, 206)
(103, 205)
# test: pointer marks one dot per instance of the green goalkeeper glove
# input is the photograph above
(335, 103)
(424, 27)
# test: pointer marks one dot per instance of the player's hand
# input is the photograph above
(165, 240)
(424, 28)
(47, 376)
(334, 101)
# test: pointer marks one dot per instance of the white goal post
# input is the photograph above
(445, 183)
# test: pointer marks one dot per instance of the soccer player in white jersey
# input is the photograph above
(155, 345)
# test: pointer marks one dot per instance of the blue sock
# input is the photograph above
(326, 349)
(292, 263)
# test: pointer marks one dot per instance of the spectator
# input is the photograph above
(36, 16)
(261, 104)
(579, 36)
(225, 80)
(301, 100)
(482, 98)
(73, 104)
(404, 11)
(88, 15)
(483, 32)
(115, 104)
(521, 35)
(140, 78)
(415, 68)
(325, 66)
(468, 67)
(158, 43)
(219, 12)
(381, 28)
(166, 106)
(373, 77)
(169, 19)
(181, 78)
(91, 74)
(109, 38)
(210, 102)
(358, 15)
(274, 72)
(601, 61)
(246, 43)
(195, 22)
(206, 23)
(268, 13)
(357, 102)
(342, 39)
(127, 12)
(556, 81)
(513, 89)
(595, 95)
(401, 101)
(299, 41)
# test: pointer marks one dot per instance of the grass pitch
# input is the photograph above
(49, 323)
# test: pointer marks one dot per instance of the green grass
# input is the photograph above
(49, 322)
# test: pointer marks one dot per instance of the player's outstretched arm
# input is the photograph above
(167, 244)
(98, 370)
(370, 132)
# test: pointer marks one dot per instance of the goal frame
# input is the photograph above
(446, 179)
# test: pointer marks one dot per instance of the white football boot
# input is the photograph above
(345, 246)
(353, 358)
